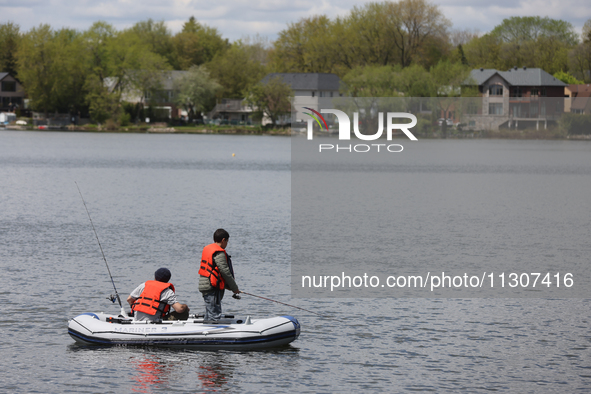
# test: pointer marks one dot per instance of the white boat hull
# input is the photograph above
(94, 329)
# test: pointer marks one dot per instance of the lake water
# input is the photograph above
(155, 201)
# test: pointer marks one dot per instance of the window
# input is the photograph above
(516, 92)
(313, 93)
(8, 86)
(472, 108)
(535, 92)
(495, 90)
(516, 109)
(495, 108)
(543, 92)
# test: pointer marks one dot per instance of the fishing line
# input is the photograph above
(283, 303)
(103, 253)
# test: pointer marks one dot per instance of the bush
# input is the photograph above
(573, 124)
(124, 119)
(110, 124)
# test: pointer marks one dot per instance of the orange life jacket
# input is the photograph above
(149, 301)
(208, 267)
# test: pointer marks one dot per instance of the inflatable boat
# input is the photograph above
(194, 333)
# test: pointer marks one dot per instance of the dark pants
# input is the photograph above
(213, 304)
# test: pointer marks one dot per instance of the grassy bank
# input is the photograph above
(164, 129)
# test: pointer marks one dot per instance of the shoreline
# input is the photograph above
(525, 134)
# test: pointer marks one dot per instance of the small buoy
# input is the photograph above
(233, 154)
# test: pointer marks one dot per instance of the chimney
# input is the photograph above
(482, 69)
(515, 67)
(525, 68)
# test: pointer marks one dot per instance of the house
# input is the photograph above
(12, 93)
(579, 102)
(519, 96)
(313, 90)
(232, 111)
(161, 98)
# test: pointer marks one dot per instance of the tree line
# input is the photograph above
(390, 48)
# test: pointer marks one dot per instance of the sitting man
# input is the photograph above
(152, 300)
(216, 274)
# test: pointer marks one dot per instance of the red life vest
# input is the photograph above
(208, 267)
(149, 301)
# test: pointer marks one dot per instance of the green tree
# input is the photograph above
(522, 29)
(378, 34)
(305, 46)
(52, 67)
(586, 31)
(97, 41)
(535, 42)
(567, 78)
(134, 69)
(102, 105)
(156, 37)
(580, 61)
(450, 80)
(9, 42)
(483, 52)
(271, 99)
(415, 81)
(372, 81)
(196, 44)
(417, 22)
(462, 55)
(237, 69)
(195, 90)
(524, 42)
(367, 36)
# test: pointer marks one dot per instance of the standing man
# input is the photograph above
(152, 300)
(216, 274)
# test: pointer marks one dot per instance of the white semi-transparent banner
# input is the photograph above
(429, 197)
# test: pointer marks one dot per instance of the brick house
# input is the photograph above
(579, 102)
(519, 96)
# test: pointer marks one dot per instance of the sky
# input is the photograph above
(237, 19)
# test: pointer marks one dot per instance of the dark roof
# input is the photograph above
(307, 81)
(518, 77)
(3, 75)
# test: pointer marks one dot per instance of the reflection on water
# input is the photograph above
(150, 371)
(214, 371)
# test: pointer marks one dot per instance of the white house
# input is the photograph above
(310, 90)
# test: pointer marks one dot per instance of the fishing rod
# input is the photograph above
(103, 253)
(283, 303)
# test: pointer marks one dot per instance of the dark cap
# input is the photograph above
(162, 275)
